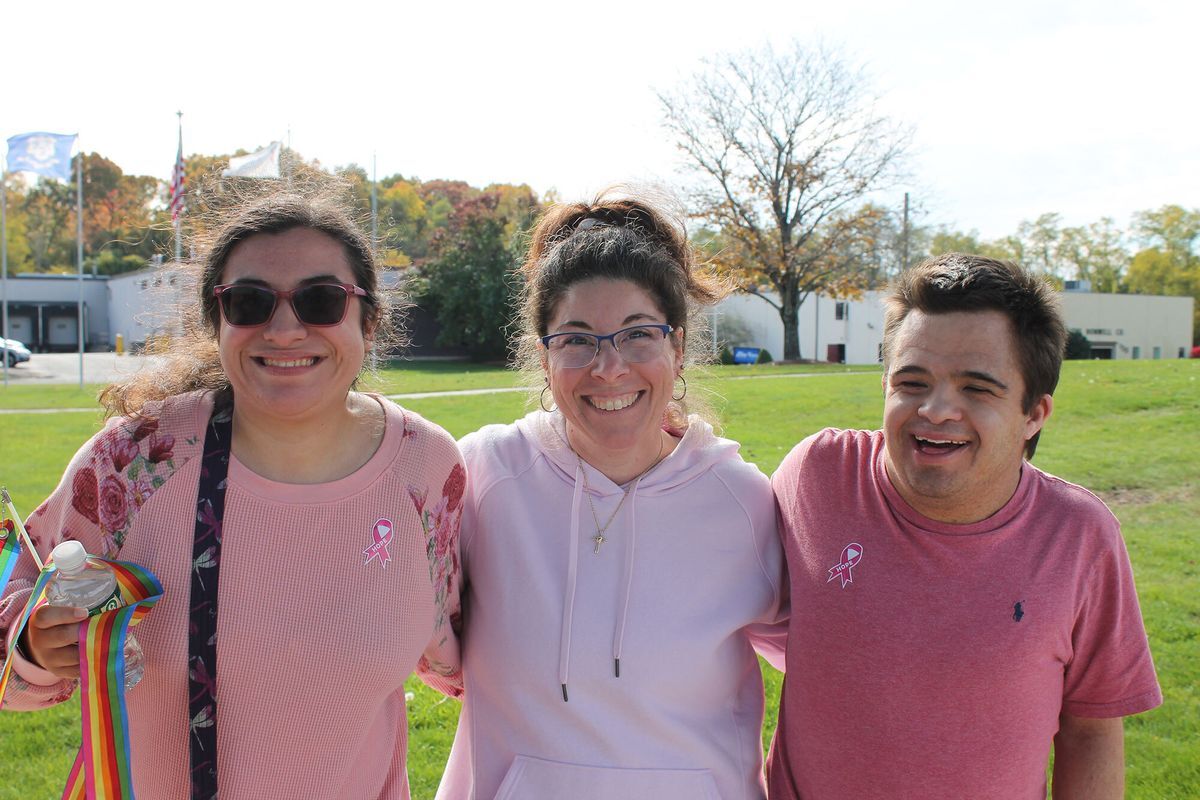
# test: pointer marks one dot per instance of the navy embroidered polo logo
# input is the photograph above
(851, 555)
(1018, 612)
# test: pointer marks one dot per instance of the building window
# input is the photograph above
(1157, 352)
(1137, 352)
(841, 310)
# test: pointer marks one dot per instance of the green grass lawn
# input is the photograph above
(1129, 431)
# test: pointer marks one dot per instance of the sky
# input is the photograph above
(1086, 109)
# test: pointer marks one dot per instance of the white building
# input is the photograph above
(43, 311)
(145, 303)
(847, 331)
(142, 304)
(1126, 326)
(1131, 325)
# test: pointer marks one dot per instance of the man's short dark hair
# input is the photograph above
(963, 282)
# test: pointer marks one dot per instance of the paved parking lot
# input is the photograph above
(46, 368)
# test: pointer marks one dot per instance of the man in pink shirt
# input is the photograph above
(955, 610)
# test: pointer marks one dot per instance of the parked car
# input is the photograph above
(17, 352)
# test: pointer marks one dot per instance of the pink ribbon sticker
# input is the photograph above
(382, 534)
(851, 555)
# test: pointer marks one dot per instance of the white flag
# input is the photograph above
(259, 164)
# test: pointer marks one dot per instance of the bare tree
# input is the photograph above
(787, 146)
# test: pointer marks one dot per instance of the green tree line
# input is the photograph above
(1157, 253)
(459, 245)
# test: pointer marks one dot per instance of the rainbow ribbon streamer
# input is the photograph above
(39, 590)
(101, 770)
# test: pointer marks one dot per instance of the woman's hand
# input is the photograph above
(51, 639)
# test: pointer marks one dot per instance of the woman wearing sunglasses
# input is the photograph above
(621, 561)
(305, 533)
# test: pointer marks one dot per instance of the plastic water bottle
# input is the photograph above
(78, 584)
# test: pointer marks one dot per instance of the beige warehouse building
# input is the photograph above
(1123, 326)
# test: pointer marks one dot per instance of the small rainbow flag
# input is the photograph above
(10, 551)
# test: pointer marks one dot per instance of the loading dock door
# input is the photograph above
(21, 329)
(63, 334)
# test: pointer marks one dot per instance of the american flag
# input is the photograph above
(175, 201)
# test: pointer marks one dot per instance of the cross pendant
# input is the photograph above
(599, 540)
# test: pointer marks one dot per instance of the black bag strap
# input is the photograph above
(202, 628)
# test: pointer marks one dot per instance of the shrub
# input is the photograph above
(726, 356)
(1078, 346)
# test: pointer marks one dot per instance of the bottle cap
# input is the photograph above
(69, 556)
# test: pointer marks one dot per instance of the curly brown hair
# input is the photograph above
(619, 235)
(191, 360)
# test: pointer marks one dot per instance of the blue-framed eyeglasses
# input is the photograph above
(577, 349)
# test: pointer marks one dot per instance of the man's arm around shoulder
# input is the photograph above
(1089, 758)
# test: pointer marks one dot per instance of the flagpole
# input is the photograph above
(4, 268)
(178, 217)
(79, 251)
(58, 168)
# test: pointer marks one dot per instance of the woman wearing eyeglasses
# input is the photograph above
(620, 560)
(305, 533)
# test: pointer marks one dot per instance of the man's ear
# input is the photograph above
(1038, 415)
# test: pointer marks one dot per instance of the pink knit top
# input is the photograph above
(317, 628)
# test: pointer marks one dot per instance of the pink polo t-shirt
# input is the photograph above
(928, 660)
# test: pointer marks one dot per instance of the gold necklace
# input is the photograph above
(600, 529)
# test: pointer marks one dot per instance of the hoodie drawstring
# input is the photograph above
(564, 647)
(623, 610)
(564, 644)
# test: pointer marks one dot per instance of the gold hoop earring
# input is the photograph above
(682, 394)
(542, 398)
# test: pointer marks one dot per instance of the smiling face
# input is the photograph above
(954, 426)
(612, 407)
(285, 370)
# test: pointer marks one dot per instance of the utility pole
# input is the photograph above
(374, 205)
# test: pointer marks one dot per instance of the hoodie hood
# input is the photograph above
(697, 452)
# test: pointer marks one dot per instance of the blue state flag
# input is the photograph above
(46, 154)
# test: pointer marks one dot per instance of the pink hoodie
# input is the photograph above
(625, 673)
